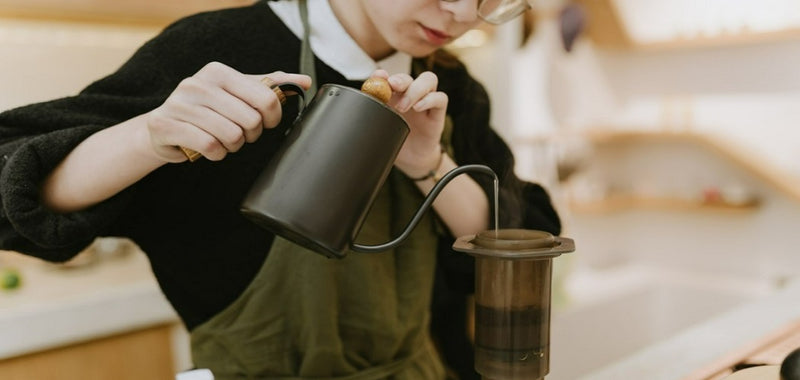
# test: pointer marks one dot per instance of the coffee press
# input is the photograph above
(513, 272)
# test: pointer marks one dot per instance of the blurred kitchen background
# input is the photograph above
(667, 131)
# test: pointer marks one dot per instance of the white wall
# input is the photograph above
(748, 94)
(745, 95)
(46, 60)
(759, 242)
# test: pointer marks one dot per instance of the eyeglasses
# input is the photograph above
(499, 11)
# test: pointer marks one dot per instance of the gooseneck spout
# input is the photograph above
(424, 207)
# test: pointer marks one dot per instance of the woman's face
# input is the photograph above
(416, 27)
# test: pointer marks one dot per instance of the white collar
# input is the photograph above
(331, 43)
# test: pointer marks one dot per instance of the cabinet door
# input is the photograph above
(144, 354)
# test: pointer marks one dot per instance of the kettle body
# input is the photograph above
(317, 189)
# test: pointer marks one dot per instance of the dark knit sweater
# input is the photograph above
(185, 216)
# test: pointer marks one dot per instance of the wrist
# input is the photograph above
(433, 172)
(144, 146)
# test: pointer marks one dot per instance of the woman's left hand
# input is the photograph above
(423, 107)
(462, 205)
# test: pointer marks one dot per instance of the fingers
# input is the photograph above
(221, 118)
(234, 120)
(424, 108)
(418, 94)
(252, 90)
(218, 110)
(435, 103)
(271, 117)
(380, 73)
(281, 77)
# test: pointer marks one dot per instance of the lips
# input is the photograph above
(435, 37)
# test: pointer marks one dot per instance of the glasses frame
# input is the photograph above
(521, 7)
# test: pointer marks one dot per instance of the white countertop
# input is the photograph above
(706, 343)
(56, 306)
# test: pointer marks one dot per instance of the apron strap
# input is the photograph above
(306, 55)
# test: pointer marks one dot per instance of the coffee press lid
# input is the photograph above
(514, 244)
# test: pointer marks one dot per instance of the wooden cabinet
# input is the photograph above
(144, 354)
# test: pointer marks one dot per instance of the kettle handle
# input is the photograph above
(424, 207)
(280, 90)
(291, 89)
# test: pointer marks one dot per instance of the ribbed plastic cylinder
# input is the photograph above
(512, 318)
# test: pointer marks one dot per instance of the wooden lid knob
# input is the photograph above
(379, 88)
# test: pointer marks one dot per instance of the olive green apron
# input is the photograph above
(364, 317)
(305, 316)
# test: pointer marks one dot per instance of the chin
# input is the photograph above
(418, 51)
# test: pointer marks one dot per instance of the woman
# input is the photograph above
(106, 163)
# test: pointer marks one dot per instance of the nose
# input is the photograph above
(465, 11)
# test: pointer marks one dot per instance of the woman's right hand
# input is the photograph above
(215, 112)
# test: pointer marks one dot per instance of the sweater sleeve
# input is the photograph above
(27, 226)
(36, 138)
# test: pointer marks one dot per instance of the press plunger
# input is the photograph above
(378, 87)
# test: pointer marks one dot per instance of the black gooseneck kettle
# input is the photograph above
(317, 189)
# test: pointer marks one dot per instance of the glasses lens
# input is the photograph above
(500, 11)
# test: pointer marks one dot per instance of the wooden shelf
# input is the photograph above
(611, 139)
(729, 39)
(620, 203)
(149, 12)
(607, 136)
(606, 28)
(748, 161)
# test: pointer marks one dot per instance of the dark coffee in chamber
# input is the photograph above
(512, 335)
